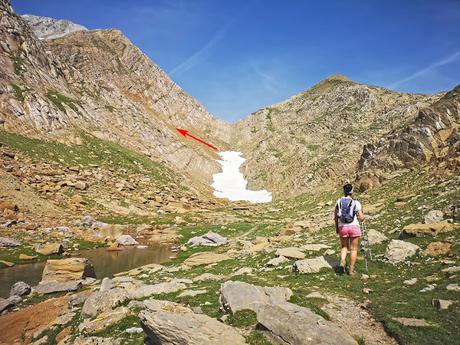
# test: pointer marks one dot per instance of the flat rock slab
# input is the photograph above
(289, 323)
(49, 249)
(210, 239)
(103, 320)
(103, 301)
(277, 261)
(398, 251)
(68, 270)
(54, 286)
(235, 296)
(406, 321)
(290, 253)
(146, 290)
(437, 249)
(187, 328)
(432, 229)
(311, 265)
(205, 258)
(6, 242)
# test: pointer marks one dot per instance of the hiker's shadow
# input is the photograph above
(333, 262)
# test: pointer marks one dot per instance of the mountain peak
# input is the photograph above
(49, 28)
(337, 76)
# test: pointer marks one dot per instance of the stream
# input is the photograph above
(105, 262)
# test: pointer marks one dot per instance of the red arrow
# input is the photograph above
(185, 133)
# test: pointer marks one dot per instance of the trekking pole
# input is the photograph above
(365, 246)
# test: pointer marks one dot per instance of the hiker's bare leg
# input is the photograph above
(354, 244)
(343, 251)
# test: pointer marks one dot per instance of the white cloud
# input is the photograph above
(201, 54)
(445, 61)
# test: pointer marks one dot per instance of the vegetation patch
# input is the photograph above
(242, 318)
(60, 101)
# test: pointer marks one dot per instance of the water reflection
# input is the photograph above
(106, 263)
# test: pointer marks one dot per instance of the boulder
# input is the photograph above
(432, 229)
(210, 239)
(236, 295)
(146, 290)
(434, 216)
(126, 240)
(453, 287)
(277, 261)
(103, 301)
(205, 258)
(163, 327)
(298, 325)
(70, 269)
(290, 253)
(20, 289)
(311, 265)
(103, 320)
(375, 237)
(26, 257)
(49, 286)
(6, 242)
(398, 251)
(49, 249)
(5, 304)
(442, 304)
(411, 322)
(437, 248)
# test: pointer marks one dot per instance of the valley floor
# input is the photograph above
(289, 244)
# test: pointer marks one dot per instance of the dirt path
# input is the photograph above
(353, 318)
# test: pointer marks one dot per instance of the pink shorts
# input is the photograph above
(349, 231)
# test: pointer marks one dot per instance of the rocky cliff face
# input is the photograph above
(49, 28)
(432, 138)
(317, 136)
(99, 82)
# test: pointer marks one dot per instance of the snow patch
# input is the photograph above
(230, 183)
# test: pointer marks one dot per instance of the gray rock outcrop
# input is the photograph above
(49, 28)
(163, 327)
(289, 323)
(398, 251)
(211, 239)
(236, 295)
(20, 289)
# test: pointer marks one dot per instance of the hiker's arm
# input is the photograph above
(361, 215)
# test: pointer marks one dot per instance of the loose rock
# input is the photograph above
(191, 329)
(398, 251)
(20, 289)
(210, 239)
(311, 265)
(236, 295)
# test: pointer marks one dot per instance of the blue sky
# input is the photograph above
(238, 56)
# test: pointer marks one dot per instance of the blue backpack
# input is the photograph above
(346, 210)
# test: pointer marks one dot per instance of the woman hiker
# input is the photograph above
(347, 215)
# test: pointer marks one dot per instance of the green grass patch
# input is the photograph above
(61, 101)
(242, 318)
(18, 92)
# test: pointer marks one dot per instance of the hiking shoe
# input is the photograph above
(341, 269)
